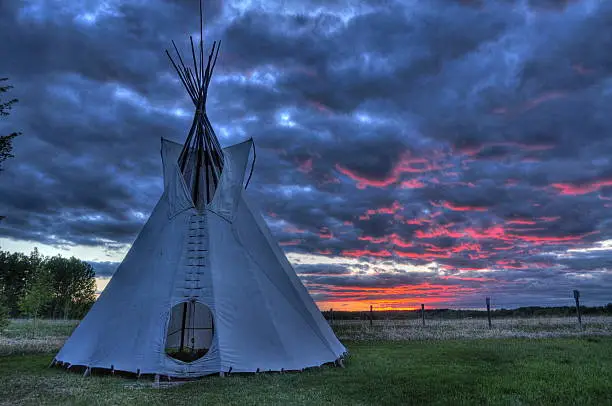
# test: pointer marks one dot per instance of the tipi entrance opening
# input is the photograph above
(190, 331)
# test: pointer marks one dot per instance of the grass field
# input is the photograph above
(505, 371)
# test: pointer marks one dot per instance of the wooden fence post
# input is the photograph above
(577, 298)
(489, 310)
(423, 313)
(371, 316)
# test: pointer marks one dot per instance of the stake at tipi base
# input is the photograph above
(193, 295)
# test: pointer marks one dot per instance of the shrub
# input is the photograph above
(4, 317)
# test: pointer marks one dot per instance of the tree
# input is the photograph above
(16, 272)
(74, 286)
(38, 296)
(6, 141)
(4, 315)
(24, 278)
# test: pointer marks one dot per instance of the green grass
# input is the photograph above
(555, 371)
(27, 328)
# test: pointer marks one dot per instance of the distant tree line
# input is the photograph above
(444, 314)
(45, 287)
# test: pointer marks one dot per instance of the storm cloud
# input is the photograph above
(406, 150)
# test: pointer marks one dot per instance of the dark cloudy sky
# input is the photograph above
(408, 151)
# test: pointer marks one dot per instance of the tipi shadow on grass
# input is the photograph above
(204, 289)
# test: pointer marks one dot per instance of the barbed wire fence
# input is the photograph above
(487, 321)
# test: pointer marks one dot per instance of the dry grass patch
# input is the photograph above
(544, 327)
(35, 336)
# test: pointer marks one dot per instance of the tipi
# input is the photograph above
(204, 289)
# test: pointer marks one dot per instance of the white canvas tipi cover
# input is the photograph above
(215, 275)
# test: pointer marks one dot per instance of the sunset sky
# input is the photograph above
(408, 152)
